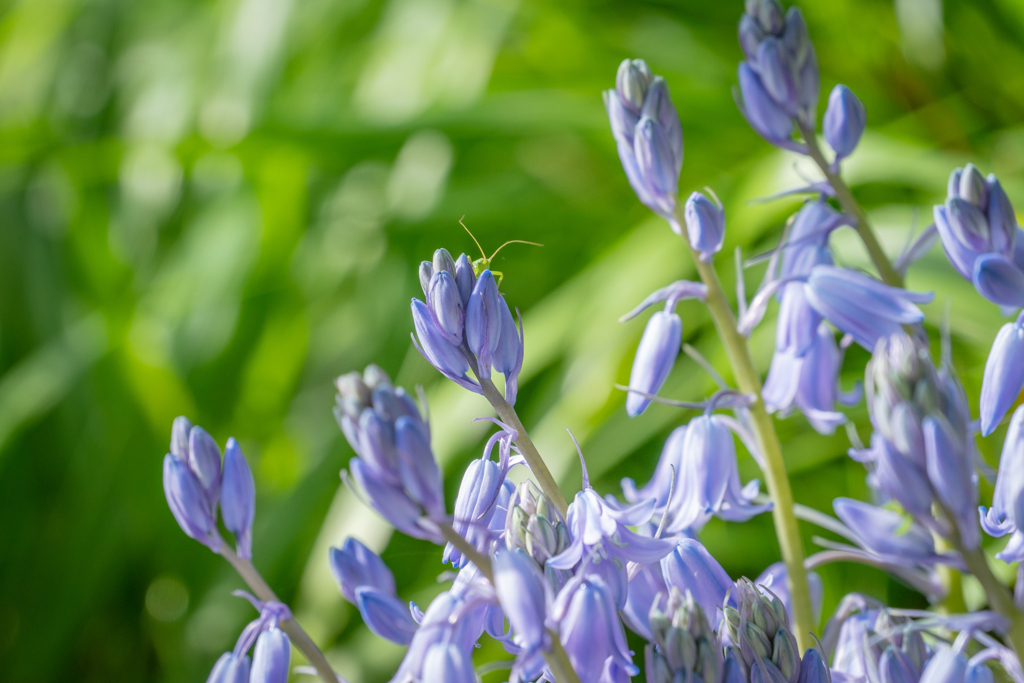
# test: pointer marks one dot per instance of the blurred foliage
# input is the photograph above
(213, 207)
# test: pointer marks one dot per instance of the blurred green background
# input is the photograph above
(213, 207)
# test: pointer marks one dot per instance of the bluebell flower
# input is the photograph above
(591, 632)
(1004, 375)
(869, 640)
(189, 504)
(641, 593)
(861, 306)
(230, 669)
(601, 538)
(705, 225)
(366, 582)
(979, 234)
(447, 662)
(886, 534)
(526, 598)
(1001, 518)
(683, 645)
(844, 121)
(475, 505)
(779, 79)
(648, 136)
(271, 658)
(238, 498)
(394, 464)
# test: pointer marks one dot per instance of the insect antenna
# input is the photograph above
(482, 252)
(535, 244)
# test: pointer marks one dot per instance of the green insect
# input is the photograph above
(484, 262)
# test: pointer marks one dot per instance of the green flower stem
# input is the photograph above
(300, 639)
(885, 268)
(508, 415)
(558, 661)
(482, 562)
(776, 478)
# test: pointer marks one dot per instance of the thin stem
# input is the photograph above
(295, 632)
(776, 478)
(482, 562)
(536, 463)
(885, 268)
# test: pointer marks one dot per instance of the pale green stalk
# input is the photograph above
(776, 478)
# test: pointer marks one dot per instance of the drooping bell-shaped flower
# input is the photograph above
(477, 501)
(1004, 375)
(648, 136)
(1006, 516)
(844, 121)
(271, 658)
(394, 464)
(690, 569)
(683, 645)
(366, 582)
(779, 79)
(871, 641)
(272, 655)
(526, 599)
(591, 632)
(888, 535)
(230, 669)
(979, 234)
(447, 662)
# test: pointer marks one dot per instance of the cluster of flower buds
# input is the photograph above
(922, 448)
(534, 524)
(1008, 498)
(763, 648)
(979, 233)
(196, 484)
(394, 466)
(779, 79)
(465, 324)
(683, 646)
(871, 641)
(648, 135)
(366, 582)
(271, 659)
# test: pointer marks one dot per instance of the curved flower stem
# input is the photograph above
(776, 478)
(540, 470)
(295, 632)
(885, 268)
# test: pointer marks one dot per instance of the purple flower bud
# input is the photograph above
(655, 356)
(204, 461)
(761, 111)
(464, 278)
(446, 663)
(418, 469)
(750, 34)
(895, 666)
(238, 498)
(443, 262)
(776, 579)
(271, 660)
(230, 669)
(189, 504)
(902, 478)
(844, 121)
(438, 351)
(1002, 221)
(377, 445)
(384, 614)
(1004, 375)
(508, 356)
(952, 476)
(524, 596)
(445, 305)
(972, 187)
(1007, 513)
(773, 67)
(705, 225)
(641, 595)
(591, 631)
(180, 431)
(999, 279)
(478, 497)
(391, 501)
(690, 567)
(354, 565)
(768, 14)
(483, 320)
(656, 165)
(813, 668)
(426, 272)
(631, 83)
(796, 38)
(862, 306)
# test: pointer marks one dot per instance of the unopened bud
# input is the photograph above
(443, 261)
(786, 654)
(972, 187)
(632, 81)
(426, 272)
(844, 121)
(705, 225)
